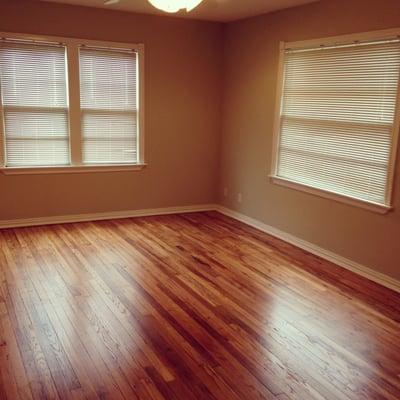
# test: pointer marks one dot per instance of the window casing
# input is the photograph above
(337, 120)
(80, 122)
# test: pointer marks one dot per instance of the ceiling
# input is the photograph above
(212, 10)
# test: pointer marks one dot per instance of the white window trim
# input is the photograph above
(378, 208)
(331, 41)
(71, 169)
(74, 111)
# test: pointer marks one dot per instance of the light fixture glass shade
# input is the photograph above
(173, 6)
(191, 4)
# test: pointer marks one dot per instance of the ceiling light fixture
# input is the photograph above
(173, 6)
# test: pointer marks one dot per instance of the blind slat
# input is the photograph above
(337, 115)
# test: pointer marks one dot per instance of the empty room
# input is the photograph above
(199, 199)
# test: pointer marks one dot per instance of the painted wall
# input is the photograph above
(182, 102)
(250, 73)
(192, 69)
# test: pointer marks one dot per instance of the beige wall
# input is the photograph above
(250, 71)
(182, 90)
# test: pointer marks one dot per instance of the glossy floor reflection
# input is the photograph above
(193, 306)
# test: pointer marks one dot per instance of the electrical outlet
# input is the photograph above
(239, 197)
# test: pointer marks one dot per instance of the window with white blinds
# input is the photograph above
(109, 106)
(337, 119)
(34, 104)
(70, 105)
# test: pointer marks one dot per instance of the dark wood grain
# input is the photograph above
(187, 307)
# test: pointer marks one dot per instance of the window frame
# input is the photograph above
(76, 165)
(276, 179)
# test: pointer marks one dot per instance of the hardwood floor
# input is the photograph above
(186, 307)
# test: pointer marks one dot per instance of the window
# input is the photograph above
(34, 97)
(336, 132)
(109, 105)
(69, 105)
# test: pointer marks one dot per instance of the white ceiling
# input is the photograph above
(212, 10)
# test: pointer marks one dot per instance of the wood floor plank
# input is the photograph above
(187, 307)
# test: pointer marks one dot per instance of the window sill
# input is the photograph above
(375, 207)
(70, 169)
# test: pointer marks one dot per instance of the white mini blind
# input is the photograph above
(109, 106)
(34, 103)
(337, 115)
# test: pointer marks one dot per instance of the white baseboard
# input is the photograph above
(62, 219)
(350, 265)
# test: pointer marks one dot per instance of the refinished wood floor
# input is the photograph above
(187, 307)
